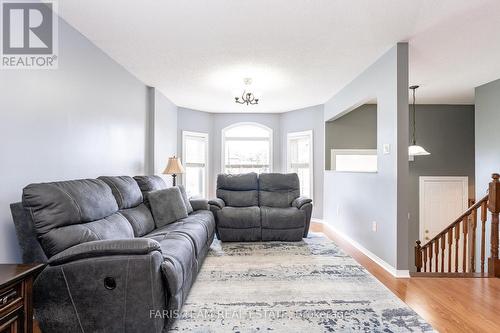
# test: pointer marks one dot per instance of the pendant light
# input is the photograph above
(414, 149)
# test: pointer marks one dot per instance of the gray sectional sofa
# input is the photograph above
(110, 268)
(265, 207)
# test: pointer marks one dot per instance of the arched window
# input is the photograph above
(247, 147)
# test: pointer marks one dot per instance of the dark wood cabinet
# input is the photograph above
(16, 303)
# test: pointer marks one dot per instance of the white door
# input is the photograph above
(442, 201)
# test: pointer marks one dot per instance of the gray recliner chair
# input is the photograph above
(109, 267)
(267, 207)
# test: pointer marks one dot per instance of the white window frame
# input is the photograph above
(291, 135)
(205, 137)
(335, 152)
(223, 142)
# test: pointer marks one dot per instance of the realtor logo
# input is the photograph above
(29, 35)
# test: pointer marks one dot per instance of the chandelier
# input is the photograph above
(247, 97)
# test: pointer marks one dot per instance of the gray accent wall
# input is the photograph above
(355, 130)
(87, 118)
(353, 200)
(447, 132)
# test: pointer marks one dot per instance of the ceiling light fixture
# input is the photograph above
(247, 97)
(414, 149)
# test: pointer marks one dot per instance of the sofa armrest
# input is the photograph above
(199, 204)
(301, 201)
(126, 287)
(218, 202)
(135, 246)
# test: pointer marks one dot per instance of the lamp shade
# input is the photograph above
(415, 150)
(174, 166)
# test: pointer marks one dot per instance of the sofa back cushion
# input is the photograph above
(278, 189)
(187, 203)
(140, 218)
(71, 212)
(167, 206)
(150, 183)
(125, 190)
(238, 190)
(59, 239)
(129, 197)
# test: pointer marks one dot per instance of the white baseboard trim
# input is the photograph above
(397, 273)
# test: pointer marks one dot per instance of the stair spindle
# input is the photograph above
(450, 245)
(472, 252)
(457, 239)
(464, 250)
(430, 257)
(484, 217)
(443, 246)
(436, 250)
(424, 249)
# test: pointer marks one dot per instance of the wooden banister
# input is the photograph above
(463, 232)
(459, 219)
(494, 207)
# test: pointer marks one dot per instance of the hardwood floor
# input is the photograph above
(448, 304)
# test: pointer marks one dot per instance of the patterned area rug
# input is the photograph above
(309, 286)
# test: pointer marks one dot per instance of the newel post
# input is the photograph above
(418, 256)
(494, 208)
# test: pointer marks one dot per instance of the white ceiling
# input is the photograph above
(298, 52)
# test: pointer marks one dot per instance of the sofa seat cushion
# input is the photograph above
(282, 218)
(204, 217)
(167, 206)
(240, 235)
(180, 262)
(195, 231)
(239, 217)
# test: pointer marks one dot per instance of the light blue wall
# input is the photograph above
(213, 123)
(85, 119)
(222, 120)
(310, 118)
(354, 200)
(280, 123)
(164, 120)
(197, 121)
(487, 119)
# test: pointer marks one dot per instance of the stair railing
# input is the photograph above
(430, 257)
